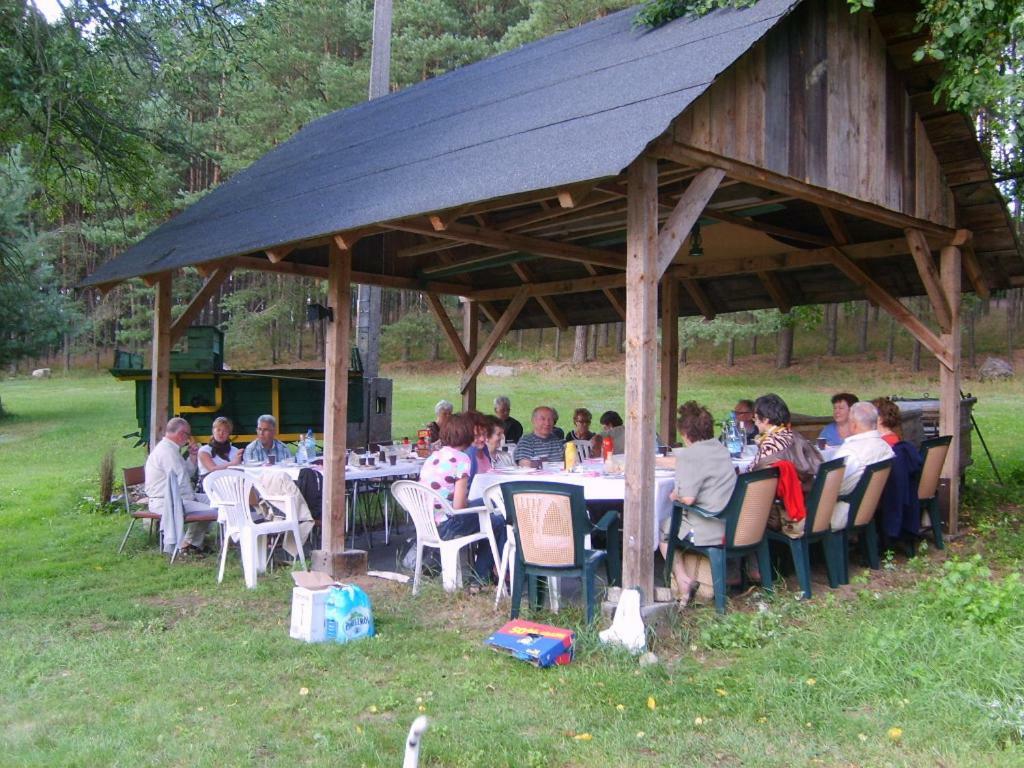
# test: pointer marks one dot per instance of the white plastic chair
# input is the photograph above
(230, 492)
(420, 502)
(583, 449)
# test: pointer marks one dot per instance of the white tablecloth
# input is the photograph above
(401, 469)
(595, 487)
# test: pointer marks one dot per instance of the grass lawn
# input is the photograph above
(123, 660)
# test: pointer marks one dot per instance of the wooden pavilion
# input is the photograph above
(559, 184)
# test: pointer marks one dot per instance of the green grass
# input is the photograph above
(123, 660)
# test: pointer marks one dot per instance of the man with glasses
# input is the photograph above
(266, 443)
(745, 418)
(164, 465)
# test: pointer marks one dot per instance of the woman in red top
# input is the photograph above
(889, 422)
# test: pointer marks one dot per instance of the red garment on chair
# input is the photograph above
(790, 491)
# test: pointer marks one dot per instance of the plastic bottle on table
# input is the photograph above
(570, 456)
(733, 436)
(300, 452)
(310, 445)
(607, 450)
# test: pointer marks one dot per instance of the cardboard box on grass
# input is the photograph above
(539, 644)
(309, 598)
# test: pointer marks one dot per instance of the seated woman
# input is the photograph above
(447, 471)
(581, 419)
(442, 412)
(704, 478)
(836, 432)
(219, 452)
(480, 456)
(778, 441)
(611, 426)
(899, 512)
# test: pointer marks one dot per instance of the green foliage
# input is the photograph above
(966, 593)
(409, 337)
(742, 630)
(658, 12)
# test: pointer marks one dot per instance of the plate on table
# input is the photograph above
(514, 470)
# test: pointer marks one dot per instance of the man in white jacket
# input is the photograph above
(165, 465)
(864, 446)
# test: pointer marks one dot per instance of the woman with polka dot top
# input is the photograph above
(447, 471)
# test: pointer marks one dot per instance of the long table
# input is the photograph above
(596, 487)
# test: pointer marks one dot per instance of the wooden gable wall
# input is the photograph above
(819, 100)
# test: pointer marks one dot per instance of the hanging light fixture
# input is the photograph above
(696, 242)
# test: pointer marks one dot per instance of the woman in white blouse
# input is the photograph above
(219, 452)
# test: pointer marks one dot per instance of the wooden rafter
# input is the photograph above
(556, 315)
(494, 337)
(700, 298)
(686, 212)
(893, 306)
(835, 225)
(280, 253)
(575, 194)
(449, 329)
(929, 275)
(776, 290)
(441, 221)
(685, 155)
(615, 297)
(210, 287)
(508, 241)
(973, 269)
(770, 229)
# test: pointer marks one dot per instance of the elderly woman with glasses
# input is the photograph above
(581, 419)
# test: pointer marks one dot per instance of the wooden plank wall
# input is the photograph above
(819, 100)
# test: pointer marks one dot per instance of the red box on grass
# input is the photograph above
(538, 644)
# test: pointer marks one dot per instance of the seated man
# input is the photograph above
(165, 465)
(864, 446)
(442, 412)
(513, 429)
(266, 444)
(744, 411)
(541, 444)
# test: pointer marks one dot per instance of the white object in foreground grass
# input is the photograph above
(627, 627)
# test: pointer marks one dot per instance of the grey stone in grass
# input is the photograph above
(500, 370)
(647, 659)
(995, 368)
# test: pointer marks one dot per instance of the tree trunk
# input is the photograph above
(862, 341)
(730, 352)
(540, 342)
(519, 340)
(890, 347)
(753, 344)
(832, 328)
(579, 347)
(604, 335)
(620, 330)
(592, 354)
(971, 318)
(682, 356)
(558, 344)
(784, 352)
(915, 357)
(435, 347)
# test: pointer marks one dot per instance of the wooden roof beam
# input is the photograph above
(210, 287)
(770, 229)
(973, 269)
(699, 298)
(494, 337)
(279, 254)
(835, 225)
(685, 214)
(616, 297)
(556, 315)
(449, 330)
(669, 149)
(494, 238)
(776, 290)
(929, 275)
(552, 288)
(575, 194)
(893, 306)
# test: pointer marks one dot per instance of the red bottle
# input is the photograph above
(607, 448)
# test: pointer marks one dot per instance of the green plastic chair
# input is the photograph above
(863, 501)
(746, 520)
(933, 456)
(550, 525)
(818, 527)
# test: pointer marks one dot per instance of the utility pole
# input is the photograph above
(368, 302)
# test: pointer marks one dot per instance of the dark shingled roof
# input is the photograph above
(576, 106)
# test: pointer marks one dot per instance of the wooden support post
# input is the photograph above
(332, 558)
(642, 274)
(949, 381)
(669, 358)
(160, 365)
(470, 335)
